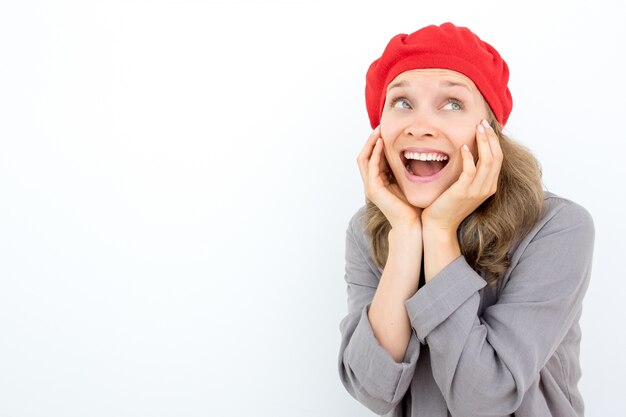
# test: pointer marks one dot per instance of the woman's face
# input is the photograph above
(429, 114)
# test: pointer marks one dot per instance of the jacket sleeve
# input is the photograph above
(483, 365)
(366, 369)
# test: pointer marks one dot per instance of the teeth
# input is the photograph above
(425, 156)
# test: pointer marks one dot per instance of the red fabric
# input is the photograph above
(448, 47)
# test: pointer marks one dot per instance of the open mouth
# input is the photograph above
(424, 164)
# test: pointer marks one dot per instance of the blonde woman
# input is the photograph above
(465, 279)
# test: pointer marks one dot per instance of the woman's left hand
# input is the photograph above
(475, 184)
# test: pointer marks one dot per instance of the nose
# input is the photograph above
(422, 126)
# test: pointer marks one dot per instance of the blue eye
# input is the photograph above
(453, 104)
(403, 102)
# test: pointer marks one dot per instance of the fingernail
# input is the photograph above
(486, 124)
(481, 129)
(465, 147)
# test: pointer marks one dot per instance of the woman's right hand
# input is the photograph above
(400, 278)
(381, 187)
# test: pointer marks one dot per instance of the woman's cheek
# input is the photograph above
(473, 147)
(470, 141)
(390, 124)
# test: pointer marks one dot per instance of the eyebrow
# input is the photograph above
(448, 83)
(398, 84)
(445, 83)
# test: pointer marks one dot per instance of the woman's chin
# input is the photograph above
(421, 200)
(422, 195)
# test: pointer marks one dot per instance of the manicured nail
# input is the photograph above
(481, 129)
(486, 124)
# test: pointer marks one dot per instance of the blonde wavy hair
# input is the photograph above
(487, 235)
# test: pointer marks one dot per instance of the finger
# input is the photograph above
(496, 152)
(485, 157)
(366, 153)
(494, 141)
(469, 169)
(383, 165)
(498, 156)
(375, 162)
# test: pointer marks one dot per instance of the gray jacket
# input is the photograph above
(512, 349)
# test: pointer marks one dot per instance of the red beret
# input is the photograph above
(448, 47)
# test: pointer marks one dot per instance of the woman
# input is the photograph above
(465, 279)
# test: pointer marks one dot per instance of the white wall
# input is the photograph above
(176, 178)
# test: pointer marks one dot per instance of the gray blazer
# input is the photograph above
(475, 350)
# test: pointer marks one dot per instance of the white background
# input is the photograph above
(176, 178)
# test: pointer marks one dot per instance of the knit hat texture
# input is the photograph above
(448, 47)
